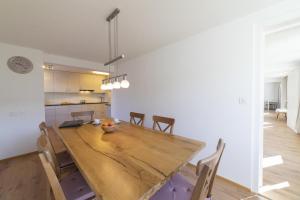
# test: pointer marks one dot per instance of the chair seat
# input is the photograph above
(64, 159)
(75, 187)
(177, 188)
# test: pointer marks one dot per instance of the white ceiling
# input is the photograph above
(283, 51)
(77, 28)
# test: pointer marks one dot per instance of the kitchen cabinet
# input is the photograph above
(56, 115)
(50, 115)
(91, 82)
(86, 82)
(73, 82)
(60, 81)
(48, 81)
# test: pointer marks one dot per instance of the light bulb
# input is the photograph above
(125, 84)
(103, 86)
(117, 85)
(109, 86)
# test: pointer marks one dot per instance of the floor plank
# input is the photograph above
(22, 178)
(223, 189)
(281, 142)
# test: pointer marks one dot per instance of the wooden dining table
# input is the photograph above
(130, 164)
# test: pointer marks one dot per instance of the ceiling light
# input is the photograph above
(101, 73)
(117, 84)
(103, 86)
(49, 67)
(125, 83)
(114, 57)
(109, 86)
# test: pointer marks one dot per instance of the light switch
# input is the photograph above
(241, 100)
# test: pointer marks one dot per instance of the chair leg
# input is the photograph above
(48, 192)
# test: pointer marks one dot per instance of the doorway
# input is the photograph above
(281, 141)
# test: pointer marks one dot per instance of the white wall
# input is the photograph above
(202, 83)
(272, 92)
(293, 96)
(283, 88)
(212, 84)
(21, 103)
(22, 98)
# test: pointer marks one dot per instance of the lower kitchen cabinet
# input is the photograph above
(56, 115)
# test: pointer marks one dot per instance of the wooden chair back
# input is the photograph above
(45, 147)
(56, 188)
(206, 171)
(42, 126)
(77, 115)
(165, 120)
(139, 116)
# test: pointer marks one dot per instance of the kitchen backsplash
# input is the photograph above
(58, 98)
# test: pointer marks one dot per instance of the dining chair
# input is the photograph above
(70, 187)
(165, 120)
(63, 160)
(77, 115)
(42, 126)
(179, 188)
(139, 116)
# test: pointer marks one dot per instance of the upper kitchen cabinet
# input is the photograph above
(87, 82)
(48, 81)
(61, 81)
(73, 82)
(91, 82)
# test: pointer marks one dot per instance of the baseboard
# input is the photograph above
(234, 183)
(18, 156)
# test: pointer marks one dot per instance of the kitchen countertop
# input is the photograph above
(68, 104)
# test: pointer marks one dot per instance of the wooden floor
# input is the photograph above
(280, 142)
(23, 178)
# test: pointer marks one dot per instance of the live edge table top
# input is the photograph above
(130, 164)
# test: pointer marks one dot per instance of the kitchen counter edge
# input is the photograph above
(71, 104)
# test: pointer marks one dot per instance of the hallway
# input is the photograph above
(281, 160)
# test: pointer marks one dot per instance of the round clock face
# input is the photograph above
(20, 65)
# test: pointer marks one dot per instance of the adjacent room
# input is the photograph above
(281, 124)
(149, 100)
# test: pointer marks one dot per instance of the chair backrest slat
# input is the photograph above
(166, 120)
(206, 171)
(139, 116)
(77, 115)
(52, 178)
(45, 146)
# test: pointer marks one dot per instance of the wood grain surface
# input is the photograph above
(131, 163)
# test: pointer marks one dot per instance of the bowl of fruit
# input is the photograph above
(108, 127)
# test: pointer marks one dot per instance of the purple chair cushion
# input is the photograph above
(75, 187)
(64, 159)
(177, 188)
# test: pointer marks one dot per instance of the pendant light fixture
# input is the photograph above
(113, 82)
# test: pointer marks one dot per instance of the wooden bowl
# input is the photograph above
(108, 129)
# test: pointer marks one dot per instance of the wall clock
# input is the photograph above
(20, 65)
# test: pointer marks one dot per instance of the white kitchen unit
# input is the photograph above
(56, 114)
(60, 81)
(48, 81)
(71, 82)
